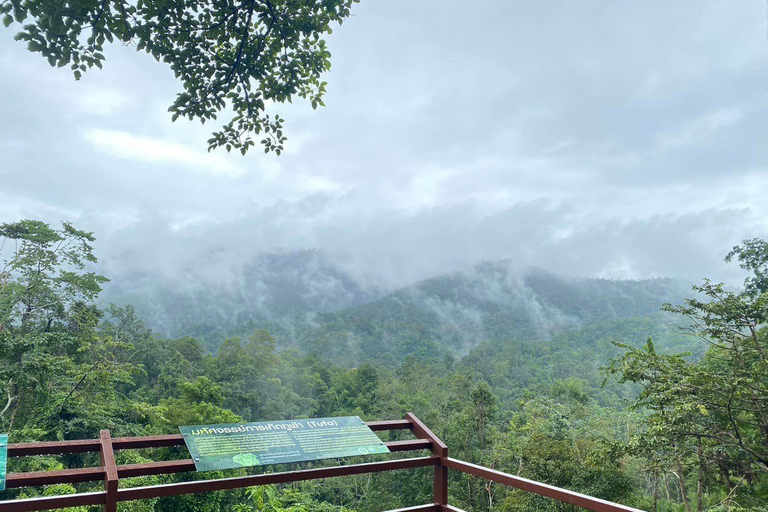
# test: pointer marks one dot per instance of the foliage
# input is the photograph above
(268, 498)
(42, 278)
(530, 407)
(709, 415)
(238, 55)
(60, 374)
(566, 445)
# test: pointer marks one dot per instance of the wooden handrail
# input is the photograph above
(175, 489)
(432, 507)
(134, 443)
(166, 467)
(440, 449)
(220, 484)
(111, 473)
(550, 491)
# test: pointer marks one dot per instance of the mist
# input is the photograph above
(534, 141)
(389, 249)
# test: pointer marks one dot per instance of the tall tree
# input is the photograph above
(227, 54)
(58, 371)
(43, 274)
(712, 412)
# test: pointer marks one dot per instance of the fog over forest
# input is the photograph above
(532, 140)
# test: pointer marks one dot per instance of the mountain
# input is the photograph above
(271, 286)
(456, 312)
(310, 303)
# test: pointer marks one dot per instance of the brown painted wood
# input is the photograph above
(409, 445)
(53, 447)
(421, 508)
(564, 495)
(135, 443)
(440, 449)
(63, 476)
(158, 491)
(53, 502)
(111, 477)
(167, 467)
(97, 498)
(111, 473)
(421, 431)
(164, 467)
(440, 484)
(377, 426)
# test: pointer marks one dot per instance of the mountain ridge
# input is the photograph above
(312, 304)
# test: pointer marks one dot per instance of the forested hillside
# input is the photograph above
(595, 406)
(310, 304)
(492, 302)
(213, 303)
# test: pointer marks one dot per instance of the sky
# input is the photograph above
(615, 139)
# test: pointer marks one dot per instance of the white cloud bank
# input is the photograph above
(142, 149)
(622, 139)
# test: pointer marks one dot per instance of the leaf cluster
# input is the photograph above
(229, 55)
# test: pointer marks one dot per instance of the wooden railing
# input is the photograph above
(111, 473)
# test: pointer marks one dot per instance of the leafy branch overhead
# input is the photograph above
(228, 54)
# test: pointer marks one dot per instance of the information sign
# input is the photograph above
(237, 445)
(3, 459)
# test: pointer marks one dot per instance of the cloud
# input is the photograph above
(698, 130)
(143, 149)
(622, 140)
(102, 102)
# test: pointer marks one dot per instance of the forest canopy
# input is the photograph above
(231, 57)
(667, 431)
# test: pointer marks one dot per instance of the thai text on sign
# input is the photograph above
(236, 445)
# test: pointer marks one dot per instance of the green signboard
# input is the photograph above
(3, 459)
(275, 442)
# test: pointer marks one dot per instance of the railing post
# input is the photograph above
(110, 471)
(441, 483)
(440, 449)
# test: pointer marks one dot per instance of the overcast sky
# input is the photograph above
(614, 139)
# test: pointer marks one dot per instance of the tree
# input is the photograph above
(484, 404)
(267, 498)
(42, 274)
(709, 416)
(562, 446)
(236, 54)
(60, 372)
